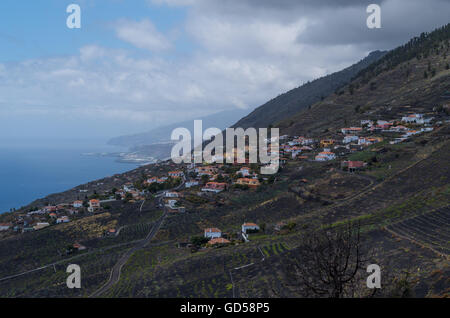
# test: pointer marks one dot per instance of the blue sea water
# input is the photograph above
(31, 170)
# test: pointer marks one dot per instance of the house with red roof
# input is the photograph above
(213, 232)
(251, 183)
(351, 130)
(176, 174)
(215, 187)
(94, 204)
(325, 156)
(353, 165)
(218, 241)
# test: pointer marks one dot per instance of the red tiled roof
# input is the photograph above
(219, 240)
(212, 230)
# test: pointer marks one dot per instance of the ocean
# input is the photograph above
(31, 170)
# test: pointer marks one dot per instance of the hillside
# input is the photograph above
(411, 78)
(293, 101)
(139, 245)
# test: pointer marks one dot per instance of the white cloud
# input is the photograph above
(242, 56)
(142, 34)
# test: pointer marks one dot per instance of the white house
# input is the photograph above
(128, 187)
(414, 118)
(412, 133)
(353, 130)
(191, 183)
(249, 226)
(366, 141)
(325, 156)
(367, 122)
(63, 219)
(78, 204)
(427, 129)
(213, 233)
(399, 128)
(307, 141)
(41, 225)
(94, 204)
(172, 204)
(171, 194)
(244, 171)
(176, 174)
(350, 138)
(4, 226)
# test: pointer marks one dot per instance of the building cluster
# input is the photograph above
(215, 236)
(353, 139)
(213, 178)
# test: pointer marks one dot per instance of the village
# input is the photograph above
(210, 179)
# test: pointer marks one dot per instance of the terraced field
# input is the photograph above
(274, 249)
(431, 230)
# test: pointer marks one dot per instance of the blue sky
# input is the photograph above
(34, 29)
(136, 65)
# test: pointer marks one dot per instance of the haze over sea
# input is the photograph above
(31, 169)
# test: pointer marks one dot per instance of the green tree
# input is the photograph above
(199, 240)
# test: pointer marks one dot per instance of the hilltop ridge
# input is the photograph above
(293, 101)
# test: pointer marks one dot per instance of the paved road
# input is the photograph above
(67, 260)
(117, 268)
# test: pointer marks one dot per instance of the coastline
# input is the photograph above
(29, 173)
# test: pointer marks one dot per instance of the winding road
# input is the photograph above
(117, 268)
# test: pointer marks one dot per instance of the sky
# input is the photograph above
(136, 65)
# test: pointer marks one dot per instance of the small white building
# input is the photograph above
(171, 194)
(192, 183)
(172, 204)
(244, 171)
(63, 219)
(414, 118)
(78, 204)
(249, 226)
(41, 225)
(350, 138)
(4, 226)
(325, 156)
(176, 174)
(94, 204)
(367, 122)
(128, 187)
(410, 133)
(213, 233)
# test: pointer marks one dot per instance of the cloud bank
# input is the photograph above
(242, 54)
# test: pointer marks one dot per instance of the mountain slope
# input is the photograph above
(302, 97)
(401, 200)
(220, 120)
(411, 78)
